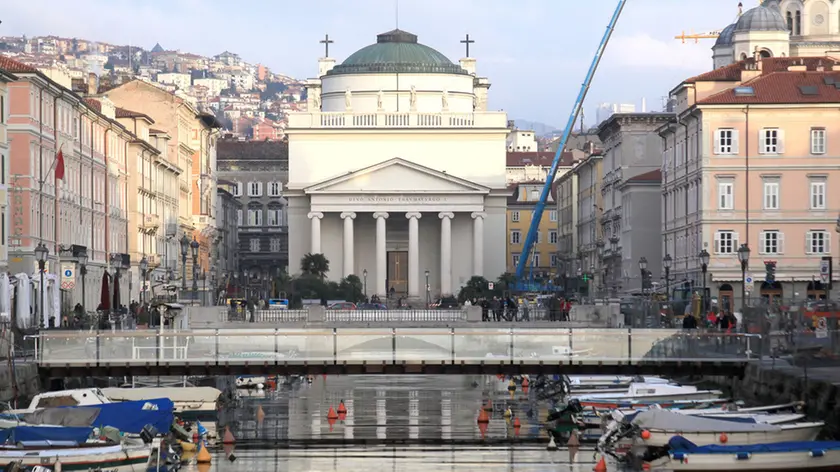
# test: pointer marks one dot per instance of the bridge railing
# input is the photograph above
(394, 345)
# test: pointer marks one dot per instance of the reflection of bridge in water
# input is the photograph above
(392, 350)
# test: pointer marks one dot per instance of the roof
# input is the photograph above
(123, 113)
(732, 72)
(95, 105)
(15, 67)
(522, 159)
(654, 176)
(725, 36)
(765, 17)
(396, 51)
(788, 87)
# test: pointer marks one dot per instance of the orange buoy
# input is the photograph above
(525, 382)
(601, 466)
(342, 411)
(483, 417)
(488, 406)
(260, 414)
(203, 456)
(646, 466)
(228, 438)
(645, 435)
(195, 437)
(482, 428)
(332, 415)
(723, 438)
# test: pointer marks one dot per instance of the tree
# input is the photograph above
(476, 287)
(505, 283)
(314, 264)
(351, 289)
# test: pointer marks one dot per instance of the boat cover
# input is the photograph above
(20, 434)
(680, 444)
(131, 417)
(665, 420)
(59, 416)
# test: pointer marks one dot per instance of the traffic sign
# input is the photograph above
(68, 276)
(749, 279)
(825, 271)
(490, 285)
(822, 328)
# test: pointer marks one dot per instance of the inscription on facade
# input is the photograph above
(397, 199)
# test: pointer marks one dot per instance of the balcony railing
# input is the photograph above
(398, 120)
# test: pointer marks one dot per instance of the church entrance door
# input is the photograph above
(398, 272)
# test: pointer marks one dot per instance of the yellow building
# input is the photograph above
(520, 209)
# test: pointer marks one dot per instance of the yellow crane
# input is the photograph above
(711, 34)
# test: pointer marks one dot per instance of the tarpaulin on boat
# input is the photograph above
(665, 420)
(131, 417)
(679, 443)
(44, 433)
(60, 416)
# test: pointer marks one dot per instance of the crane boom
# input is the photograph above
(549, 180)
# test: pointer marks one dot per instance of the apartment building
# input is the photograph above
(751, 160)
(567, 220)
(5, 78)
(589, 230)
(520, 211)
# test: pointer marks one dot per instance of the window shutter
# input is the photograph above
(762, 238)
(780, 148)
(808, 237)
(827, 238)
(735, 149)
(781, 242)
(736, 240)
(717, 242)
(716, 149)
(259, 189)
(761, 148)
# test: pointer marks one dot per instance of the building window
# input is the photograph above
(255, 244)
(254, 217)
(726, 200)
(726, 242)
(554, 260)
(818, 242)
(274, 189)
(274, 245)
(274, 216)
(239, 217)
(818, 141)
(536, 260)
(771, 141)
(539, 237)
(772, 242)
(771, 195)
(516, 259)
(552, 215)
(237, 189)
(255, 189)
(818, 195)
(515, 237)
(726, 141)
(514, 216)
(552, 237)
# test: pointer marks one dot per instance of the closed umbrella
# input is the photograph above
(104, 295)
(117, 302)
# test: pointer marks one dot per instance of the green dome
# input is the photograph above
(396, 51)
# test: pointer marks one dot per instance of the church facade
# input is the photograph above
(781, 28)
(397, 170)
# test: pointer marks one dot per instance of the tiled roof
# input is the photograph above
(652, 176)
(95, 105)
(521, 159)
(732, 72)
(13, 66)
(123, 113)
(783, 88)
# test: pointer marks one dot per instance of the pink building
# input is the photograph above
(751, 160)
(84, 212)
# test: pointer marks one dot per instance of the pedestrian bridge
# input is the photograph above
(392, 350)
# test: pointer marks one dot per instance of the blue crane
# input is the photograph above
(524, 258)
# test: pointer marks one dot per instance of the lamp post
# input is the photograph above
(364, 275)
(116, 264)
(83, 260)
(599, 244)
(144, 267)
(41, 254)
(666, 264)
(194, 249)
(428, 295)
(185, 245)
(613, 255)
(643, 269)
(744, 258)
(704, 266)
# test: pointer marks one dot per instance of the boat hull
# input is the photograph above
(111, 458)
(788, 461)
(788, 433)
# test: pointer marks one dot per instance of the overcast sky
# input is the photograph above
(535, 52)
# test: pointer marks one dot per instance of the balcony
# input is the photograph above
(386, 120)
(150, 222)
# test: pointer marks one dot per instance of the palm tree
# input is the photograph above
(314, 264)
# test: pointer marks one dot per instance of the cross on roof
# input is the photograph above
(326, 42)
(467, 42)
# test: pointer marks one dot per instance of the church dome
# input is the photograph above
(765, 17)
(396, 51)
(724, 39)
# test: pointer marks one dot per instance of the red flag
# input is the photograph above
(59, 165)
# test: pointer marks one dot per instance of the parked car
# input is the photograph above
(445, 303)
(342, 306)
(371, 306)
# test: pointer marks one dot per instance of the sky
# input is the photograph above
(535, 52)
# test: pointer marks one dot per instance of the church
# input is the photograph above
(797, 28)
(397, 170)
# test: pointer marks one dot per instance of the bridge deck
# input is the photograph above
(390, 350)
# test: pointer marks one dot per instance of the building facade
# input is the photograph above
(5, 78)
(258, 173)
(756, 168)
(589, 230)
(567, 221)
(520, 210)
(398, 169)
(640, 237)
(228, 211)
(631, 147)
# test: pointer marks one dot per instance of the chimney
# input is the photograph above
(92, 86)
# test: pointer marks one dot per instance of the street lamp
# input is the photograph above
(364, 274)
(704, 266)
(83, 260)
(41, 254)
(194, 249)
(144, 266)
(744, 258)
(185, 245)
(643, 268)
(666, 264)
(428, 295)
(613, 255)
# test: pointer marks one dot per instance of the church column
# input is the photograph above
(349, 247)
(315, 245)
(478, 243)
(413, 254)
(446, 252)
(381, 254)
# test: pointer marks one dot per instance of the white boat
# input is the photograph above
(653, 393)
(114, 458)
(77, 397)
(191, 403)
(797, 456)
(251, 381)
(592, 381)
(655, 428)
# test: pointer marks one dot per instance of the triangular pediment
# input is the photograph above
(397, 176)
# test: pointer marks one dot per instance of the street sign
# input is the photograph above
(749, 279)
(490, 285)
(822, 328)
(68, 275)
(825, 271)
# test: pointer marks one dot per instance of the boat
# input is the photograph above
(251, 381)
(191, 403)
(684, 456)
(607, 405)
(654, 393)
(32, 446)
(62, 398)
(771, 414)
(655, 428)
